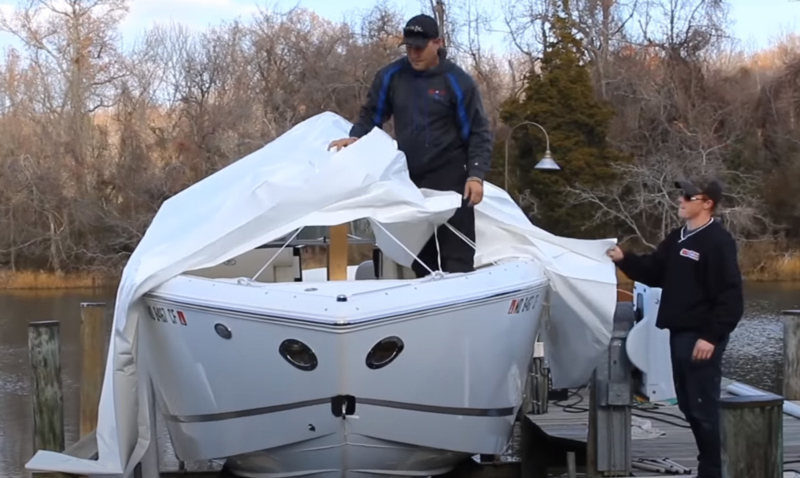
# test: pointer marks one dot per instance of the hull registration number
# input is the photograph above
(523, 304)
(166, 315)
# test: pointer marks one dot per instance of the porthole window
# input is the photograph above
(298, 354)
(223, 331)
(384, 352)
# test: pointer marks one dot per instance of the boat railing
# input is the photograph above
(323, 241)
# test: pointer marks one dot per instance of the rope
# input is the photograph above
(461, 235)
(276, 254)
(405, 248)
(438, 251)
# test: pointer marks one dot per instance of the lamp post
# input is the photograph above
(547, 162)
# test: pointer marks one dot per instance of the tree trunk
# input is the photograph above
(55, 260)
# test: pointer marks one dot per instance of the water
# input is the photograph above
(755, 351)
(754, 357)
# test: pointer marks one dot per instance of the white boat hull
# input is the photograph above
(453, 391)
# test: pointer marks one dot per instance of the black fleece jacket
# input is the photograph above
(438, 116)
(699, 275)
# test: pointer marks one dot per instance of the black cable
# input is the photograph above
(658, 412)
(573, 408)
(679, 425)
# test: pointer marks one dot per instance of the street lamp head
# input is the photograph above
(547, 162)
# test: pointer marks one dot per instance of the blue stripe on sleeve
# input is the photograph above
(461, 107)
(387, 78)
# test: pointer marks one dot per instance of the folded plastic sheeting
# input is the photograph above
(295, 181)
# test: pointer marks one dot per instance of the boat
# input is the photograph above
(291, 376)
(255, 359)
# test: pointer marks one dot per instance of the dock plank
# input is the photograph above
(569, 420)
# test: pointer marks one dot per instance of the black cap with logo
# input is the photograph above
(420, 30)
(709, 187)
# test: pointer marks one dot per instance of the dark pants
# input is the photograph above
(456, 254)
(697, 386)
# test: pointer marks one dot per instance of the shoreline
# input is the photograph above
(45, 280)
(49, 281)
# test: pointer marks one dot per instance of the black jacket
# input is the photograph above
(438, 116)
(700, 281)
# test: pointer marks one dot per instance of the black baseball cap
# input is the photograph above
(709, 187)
(420, 30)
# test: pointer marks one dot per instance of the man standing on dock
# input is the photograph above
(441, 127)
(696, 267)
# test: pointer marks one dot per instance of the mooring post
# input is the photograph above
(93, 328)
(571, 468)
(44, 348)
(751, 429)
(610, 399)
(791, 354)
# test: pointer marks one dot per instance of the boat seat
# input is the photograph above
(366, 271)
(390, 269)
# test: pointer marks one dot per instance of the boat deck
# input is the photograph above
(569, 420)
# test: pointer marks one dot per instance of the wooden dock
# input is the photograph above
(566, 426)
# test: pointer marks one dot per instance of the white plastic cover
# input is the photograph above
(295, 181)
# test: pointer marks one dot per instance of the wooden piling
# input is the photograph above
(791, 354)
(44, 348)
(93, 328)
(751, 429)
(337, 252)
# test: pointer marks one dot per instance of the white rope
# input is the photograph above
(461, 235)
(404, 247)
(464, 238)
(438, 251)
(276, 254)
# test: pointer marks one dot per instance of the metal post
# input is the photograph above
(613, 389)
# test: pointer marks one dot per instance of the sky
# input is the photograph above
(755, 22)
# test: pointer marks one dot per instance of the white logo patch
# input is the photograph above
(690, 254)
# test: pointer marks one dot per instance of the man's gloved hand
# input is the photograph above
(473, 191)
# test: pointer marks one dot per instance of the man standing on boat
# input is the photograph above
(696, 267)
(441, 127)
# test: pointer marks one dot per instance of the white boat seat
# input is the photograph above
(392, 270)
(366, 271)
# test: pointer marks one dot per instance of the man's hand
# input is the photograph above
(615, 253)
(341, 143)
(702, 350)
(473, 191)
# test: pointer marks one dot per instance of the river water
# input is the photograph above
(754, 357)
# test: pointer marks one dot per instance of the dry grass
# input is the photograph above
(758, 262)
(769, 262)
(28, 280)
